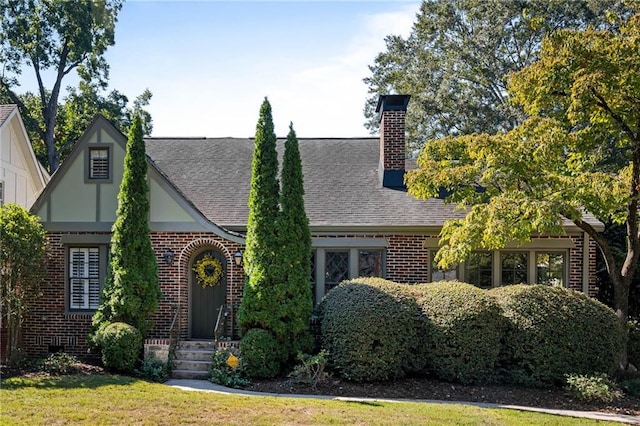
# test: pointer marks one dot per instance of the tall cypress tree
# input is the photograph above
(294, 250)
(259, 300)
(131, 291)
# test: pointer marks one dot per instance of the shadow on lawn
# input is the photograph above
(67, 382)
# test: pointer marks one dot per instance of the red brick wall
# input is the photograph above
(392, 141)
(51, 324)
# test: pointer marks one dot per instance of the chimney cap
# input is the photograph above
(392, 103)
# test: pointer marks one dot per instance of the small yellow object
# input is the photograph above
(232, 361)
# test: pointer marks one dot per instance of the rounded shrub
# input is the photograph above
(121, 345)
(553, 332)
(262, 354)
(372, 330)
(466, 329)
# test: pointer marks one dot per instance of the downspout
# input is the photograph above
(586, 240)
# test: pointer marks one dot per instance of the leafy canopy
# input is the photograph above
(455, 62)
(582, 95)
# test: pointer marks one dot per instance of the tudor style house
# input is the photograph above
(21, 175)
(362, 220)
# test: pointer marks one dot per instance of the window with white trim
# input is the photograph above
(550, 268)
(479, 269)
(514, 267)
(442, 274)
(84, 278)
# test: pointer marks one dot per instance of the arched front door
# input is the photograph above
(207, 298)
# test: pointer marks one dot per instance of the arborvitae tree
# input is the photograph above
(260, 301)
(22, 269)
(131, 291)
(294, 251)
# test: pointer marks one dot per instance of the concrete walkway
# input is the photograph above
(206, 386)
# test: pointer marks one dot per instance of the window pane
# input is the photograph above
(370, 263)
(99, 164)
(312, 261)
(84, 277)
(439, 274)
(514, 268)
(550, 268)
(479, 269)
(337, 268)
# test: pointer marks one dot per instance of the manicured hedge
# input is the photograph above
(466, 329)
(372, 329)
(553, 331)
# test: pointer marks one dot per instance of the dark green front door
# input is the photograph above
(206, 302)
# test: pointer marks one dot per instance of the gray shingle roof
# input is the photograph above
(340, 177)
(5, 111)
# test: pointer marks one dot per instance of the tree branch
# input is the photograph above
(602, 243)
(604, 105)
(26, 113)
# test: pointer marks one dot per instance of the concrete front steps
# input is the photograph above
(193, 359)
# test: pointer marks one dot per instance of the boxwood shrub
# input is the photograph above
(467, 328)
(553, 332)
(633, 344)
(262, 354)
(372, 329)
(121, 345)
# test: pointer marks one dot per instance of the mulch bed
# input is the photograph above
(423, 388)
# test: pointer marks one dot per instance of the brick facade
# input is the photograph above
(51, 326)
(392, 140)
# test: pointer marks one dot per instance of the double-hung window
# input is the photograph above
(98, 163)
(84, 278)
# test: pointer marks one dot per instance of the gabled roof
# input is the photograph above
(342, 188)
(5, 112)
(341, 181)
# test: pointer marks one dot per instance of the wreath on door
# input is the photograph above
(208, 271)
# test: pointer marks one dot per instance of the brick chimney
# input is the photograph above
(391, 111)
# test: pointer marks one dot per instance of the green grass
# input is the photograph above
(107, 399)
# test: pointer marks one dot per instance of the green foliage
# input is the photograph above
(372, 329)
(224, 374)
(120, 344)
(595, 388)
(466, 331)
(631, 387)
(22, 268)
(552, 332)
(262, 354)
(58, 364)
(294, 252)
(153, 370)
(260, 299)
(56, 37)
(277, 293)
(310, 369)
(633, 343)
(131, 291)
(458, 55)
(575, 154)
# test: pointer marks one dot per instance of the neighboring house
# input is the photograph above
(361, 219)
(21, 175)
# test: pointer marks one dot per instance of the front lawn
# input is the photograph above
(110, 399)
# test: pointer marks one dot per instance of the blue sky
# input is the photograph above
(209, 64)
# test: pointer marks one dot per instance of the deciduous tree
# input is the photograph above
(53, 37)
(22, 268)
(578, 153)
(455, 62)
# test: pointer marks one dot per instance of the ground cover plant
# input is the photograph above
(112, 399)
